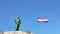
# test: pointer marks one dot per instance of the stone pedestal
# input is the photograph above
(14, 32)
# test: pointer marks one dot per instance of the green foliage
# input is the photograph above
(28, 32)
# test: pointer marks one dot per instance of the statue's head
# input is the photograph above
(17, 16)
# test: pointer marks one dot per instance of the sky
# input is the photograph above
(28, 11)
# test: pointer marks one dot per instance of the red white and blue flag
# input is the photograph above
(42, 19)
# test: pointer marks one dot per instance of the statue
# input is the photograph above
(17, 22)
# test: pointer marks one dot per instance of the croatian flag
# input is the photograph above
(42, 19)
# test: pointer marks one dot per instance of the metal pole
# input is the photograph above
(38, 28)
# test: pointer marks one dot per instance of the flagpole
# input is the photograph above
(38, 28)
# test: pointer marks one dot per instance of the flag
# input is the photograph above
(42, 19)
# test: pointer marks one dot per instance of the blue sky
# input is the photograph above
(28, 11)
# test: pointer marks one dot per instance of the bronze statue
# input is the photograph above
(18, 22)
